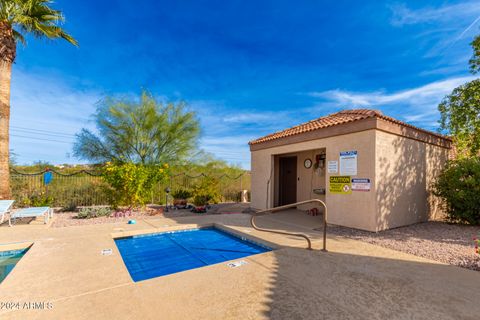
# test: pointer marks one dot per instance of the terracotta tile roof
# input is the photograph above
(334, 119)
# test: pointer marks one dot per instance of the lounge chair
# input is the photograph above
(5, 206)
(33, 212)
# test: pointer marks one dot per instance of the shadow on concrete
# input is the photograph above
(354, 280)
(316, 285)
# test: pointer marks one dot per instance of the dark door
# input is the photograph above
(288, 180)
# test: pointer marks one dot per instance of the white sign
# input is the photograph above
(361, 184)
(332, 166)
(348, 163)
(237, 264)
(106, 252)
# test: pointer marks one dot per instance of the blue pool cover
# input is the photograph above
(154, 255)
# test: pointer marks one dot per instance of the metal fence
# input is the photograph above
(86, 188)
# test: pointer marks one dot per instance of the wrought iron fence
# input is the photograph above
(87, 188)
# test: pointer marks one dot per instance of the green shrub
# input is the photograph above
(88, 213)
(459, 186)
(131, 184)
(79, 191)
(182, 194)
(37, 199)
(71, 207)
(206, 192)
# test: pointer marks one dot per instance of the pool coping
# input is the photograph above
(239, 234)
(13, 246)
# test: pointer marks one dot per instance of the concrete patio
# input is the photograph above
(354, 280)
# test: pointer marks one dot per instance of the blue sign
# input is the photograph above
(47, 177)
(360, 180)
(348, 153)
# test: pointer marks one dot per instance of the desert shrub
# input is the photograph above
(79, 191)
(37, 199)
(459, 187)
(95, 212)
(130, 184)
(182, 193)
(71, 207)
(201, 200)
(206, 191)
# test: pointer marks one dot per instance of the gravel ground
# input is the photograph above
(447, 243)
(66, 219)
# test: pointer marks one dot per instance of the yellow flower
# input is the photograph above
(166, 165)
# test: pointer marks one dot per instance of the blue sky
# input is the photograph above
(248, 68)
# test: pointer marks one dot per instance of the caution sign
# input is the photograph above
(340, 184)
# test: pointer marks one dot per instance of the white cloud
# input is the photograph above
(426, 94)
(402, 15)
(227, 130)
(46, 111)
(416, 105)
(446, 25)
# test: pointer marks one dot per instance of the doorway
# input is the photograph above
(287, 192)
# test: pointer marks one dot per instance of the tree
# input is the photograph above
(17, 19)
(459, 185)
(145, 131)
(460, 117)
(460, 111)
(475, 60)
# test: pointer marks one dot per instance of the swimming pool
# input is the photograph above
(155, 255)
(8, 260)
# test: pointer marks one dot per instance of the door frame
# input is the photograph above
(280, 189)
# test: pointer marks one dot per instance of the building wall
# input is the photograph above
(309, 178)
(357, 210)
(405, 170)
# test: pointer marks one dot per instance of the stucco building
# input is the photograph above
(374, 172)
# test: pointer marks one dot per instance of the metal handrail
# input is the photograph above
(271, 210)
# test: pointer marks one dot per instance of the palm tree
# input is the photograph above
(17, 19)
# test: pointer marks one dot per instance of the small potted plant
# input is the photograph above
(180, 198)
(205, 193)
(201, 203)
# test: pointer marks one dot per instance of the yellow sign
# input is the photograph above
(340, 184)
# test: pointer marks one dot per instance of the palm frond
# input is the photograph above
(19, 37)
(35, 17)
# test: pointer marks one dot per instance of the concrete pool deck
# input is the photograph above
(354, 280)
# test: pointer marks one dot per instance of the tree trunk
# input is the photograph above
(7, 56)
(5, 75)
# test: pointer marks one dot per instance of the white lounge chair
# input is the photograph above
(5, 206)
(33, 212)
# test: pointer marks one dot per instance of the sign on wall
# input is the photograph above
(361, 184)
(348, 163)
(332, 166)
(340, 184)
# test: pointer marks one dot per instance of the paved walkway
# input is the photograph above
(354, 280)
